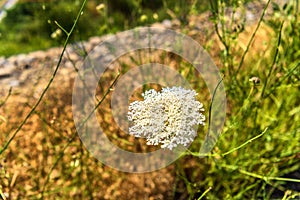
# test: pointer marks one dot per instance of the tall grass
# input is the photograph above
(259, 146)
(256, 156)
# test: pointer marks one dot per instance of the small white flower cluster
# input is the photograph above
(167, 117)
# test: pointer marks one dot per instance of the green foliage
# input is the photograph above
(31, 25)
(260, 169)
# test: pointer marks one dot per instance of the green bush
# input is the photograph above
(31, 24)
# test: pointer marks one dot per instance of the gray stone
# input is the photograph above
(14, 83)
(167, 23)
(6, 70)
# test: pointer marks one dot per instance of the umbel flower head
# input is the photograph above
(168, 117)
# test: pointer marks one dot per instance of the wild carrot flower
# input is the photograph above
(168, 117)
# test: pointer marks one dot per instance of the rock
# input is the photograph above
(6, 70)
(53, 53)
(39, 55)
(158, 25)
(12, 59)
(69, 64)
(167, 23)
(14, 83)
(3, 61)
(95, 40)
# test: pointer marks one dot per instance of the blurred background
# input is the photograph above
(254, 43)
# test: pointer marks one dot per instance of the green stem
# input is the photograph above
(228, 152)
(73, 137)
(264, 178)
(274, 61)
(252, 37)
(244, 144)
(48, 85)
(204, 193)
(268, 178)
(6, 98)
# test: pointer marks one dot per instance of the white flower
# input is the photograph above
(167, 118)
